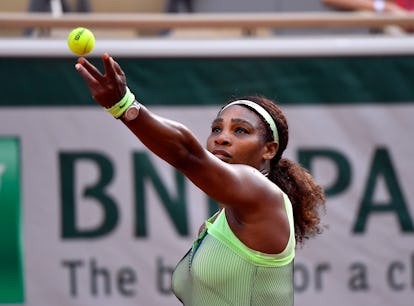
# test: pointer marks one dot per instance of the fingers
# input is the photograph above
(118, 69)
(93, 72)
(112, 68)
(105, 88)
(114, 74)
(109, 66)
(80, 68)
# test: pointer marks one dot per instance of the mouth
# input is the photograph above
(222, 154)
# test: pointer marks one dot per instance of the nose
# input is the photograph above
(222, 139)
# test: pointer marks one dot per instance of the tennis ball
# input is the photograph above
(81, 41)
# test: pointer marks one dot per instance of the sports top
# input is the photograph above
(220, 270)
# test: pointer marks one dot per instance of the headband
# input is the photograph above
(259, 110)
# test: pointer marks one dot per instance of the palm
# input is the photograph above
(107, 89)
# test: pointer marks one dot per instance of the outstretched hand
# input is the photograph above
(107, 89)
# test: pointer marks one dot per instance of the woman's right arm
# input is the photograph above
(168, 139)
(176, 144)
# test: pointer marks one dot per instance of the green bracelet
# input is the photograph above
(120, 107)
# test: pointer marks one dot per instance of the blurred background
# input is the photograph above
(89, 217)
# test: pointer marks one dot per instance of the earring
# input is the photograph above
(264, 172)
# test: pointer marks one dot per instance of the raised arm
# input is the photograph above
(168, 139)
(176, 144)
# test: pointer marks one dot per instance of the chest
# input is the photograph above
(213, 263)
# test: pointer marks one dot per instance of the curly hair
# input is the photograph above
(306, 196)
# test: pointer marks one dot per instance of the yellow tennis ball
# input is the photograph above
(81, 41)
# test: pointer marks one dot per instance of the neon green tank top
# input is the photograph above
(220, 270)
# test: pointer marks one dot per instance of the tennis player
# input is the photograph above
(245, 252)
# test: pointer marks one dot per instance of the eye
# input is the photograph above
(241, 130)
(215, 129)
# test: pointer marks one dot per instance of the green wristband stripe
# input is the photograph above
(120, 107)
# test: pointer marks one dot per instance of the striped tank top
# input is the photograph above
(220, 270)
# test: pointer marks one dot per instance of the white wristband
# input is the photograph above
(379, 6)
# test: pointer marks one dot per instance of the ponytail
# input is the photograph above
(305, 195)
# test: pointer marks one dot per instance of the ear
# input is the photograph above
(270, 150)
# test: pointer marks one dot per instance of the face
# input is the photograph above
(236, 137)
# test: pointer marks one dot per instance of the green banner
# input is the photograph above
(211, 81)
(11, 267)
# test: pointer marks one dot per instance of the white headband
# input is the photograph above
(261, 111)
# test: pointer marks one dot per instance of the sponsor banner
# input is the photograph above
(105, 222)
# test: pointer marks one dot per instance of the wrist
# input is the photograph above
(119, 108)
